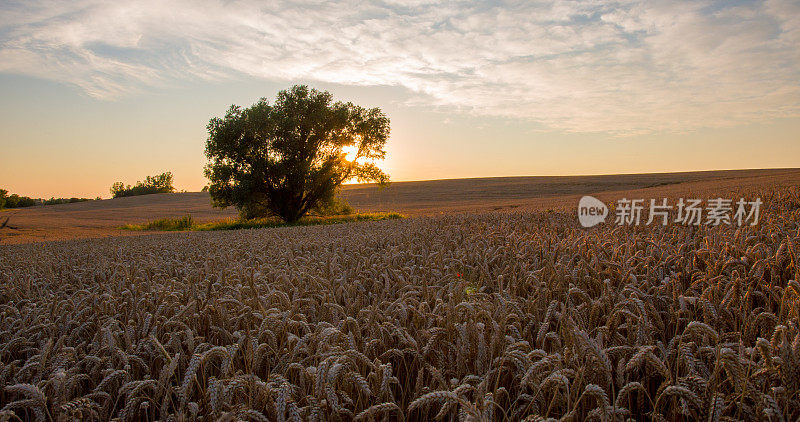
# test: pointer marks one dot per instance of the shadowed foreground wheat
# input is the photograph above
(468, 317)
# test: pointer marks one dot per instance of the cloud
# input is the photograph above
(622, 67)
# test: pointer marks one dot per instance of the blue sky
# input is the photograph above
(95, 92)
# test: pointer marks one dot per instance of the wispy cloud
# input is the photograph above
(622, 66)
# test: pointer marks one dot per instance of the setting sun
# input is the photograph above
(350, 152)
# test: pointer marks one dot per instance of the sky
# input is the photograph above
(93, 92)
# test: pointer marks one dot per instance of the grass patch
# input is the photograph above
(186, 222)
(165, 224)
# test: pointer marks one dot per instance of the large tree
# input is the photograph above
(287, 159)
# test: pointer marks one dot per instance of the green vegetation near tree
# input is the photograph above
(186, 222)
(164, 224)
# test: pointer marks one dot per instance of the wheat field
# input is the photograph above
(488, 316)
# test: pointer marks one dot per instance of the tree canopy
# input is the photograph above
(287, 159)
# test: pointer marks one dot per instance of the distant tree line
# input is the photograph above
(14, 200)
(56, 201)
(17, 201)
(161, 183)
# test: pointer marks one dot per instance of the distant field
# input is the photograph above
(102, 218)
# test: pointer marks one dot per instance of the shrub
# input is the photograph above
(161, 183)
(335, 206)
(16, 201)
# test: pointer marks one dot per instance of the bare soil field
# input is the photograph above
(103, 218)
